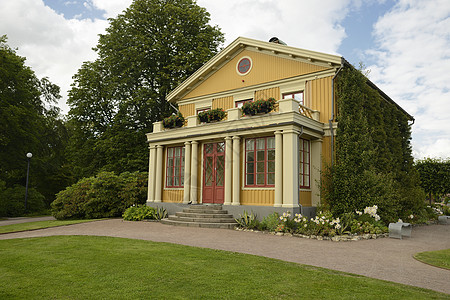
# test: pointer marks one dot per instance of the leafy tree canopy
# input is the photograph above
(29, 122)
(146, 52)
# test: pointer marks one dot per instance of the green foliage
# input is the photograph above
(12, 201)
(270, 222)
(248, 221)
(434, 176)
(161, 213)
(29, 122)
(139, 213)
(145, 53)
(373, 161)
(173, 121)
(211, 115)
(102, 196)
(258, 106)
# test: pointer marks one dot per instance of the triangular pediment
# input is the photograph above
(269, 62)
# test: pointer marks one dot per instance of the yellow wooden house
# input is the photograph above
(262, 163)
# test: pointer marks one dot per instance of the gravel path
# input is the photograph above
(385, 258)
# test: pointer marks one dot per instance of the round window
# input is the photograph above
(244, 65)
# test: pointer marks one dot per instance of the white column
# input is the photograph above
(316, 166)
(228, 169)
(290, 168)
(159, 173)
(194, 168)
(187, 172)
(236, 170)
(278, 169)
(151, 174)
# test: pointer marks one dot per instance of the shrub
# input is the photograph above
(12, 201)
(139, 213)
(173, 121)
(102, 196)
(160, 213)
(270, 222)
(211, 115)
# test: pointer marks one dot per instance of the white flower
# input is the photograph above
(400, 221)
(304, 219)
(305, 225)
(338, 226)
(411, 216)
(377, 217)
(281, 218)
(358, 212)
(323, 222)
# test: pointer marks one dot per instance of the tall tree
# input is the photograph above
(147, 51)
(29, 122)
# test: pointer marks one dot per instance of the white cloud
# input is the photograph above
(412, 62)
(53, 46)
(112, 7)
(312, 25)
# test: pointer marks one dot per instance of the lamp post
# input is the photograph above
(29, 155)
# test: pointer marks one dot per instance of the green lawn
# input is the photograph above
(440, 258)
(38, 225)
(86, 267)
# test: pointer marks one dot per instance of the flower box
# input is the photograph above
(258, 107)
(173, 121)
(212, 115)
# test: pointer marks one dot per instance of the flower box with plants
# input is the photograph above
(173, 121)
(212, 115)
(258, 107)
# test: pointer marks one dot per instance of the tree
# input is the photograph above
(434, 176)
(29, 122)
(146, 52)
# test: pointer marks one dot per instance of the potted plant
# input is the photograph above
(173, 121)
(212, 115)
(258, 107)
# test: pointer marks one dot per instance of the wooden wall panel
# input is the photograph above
(266, 68)
(268, 93)
(224, 102)
(305, 198)
(258, 197)
(187, 109)
(326, 150)
(320, 97)
(175, 196)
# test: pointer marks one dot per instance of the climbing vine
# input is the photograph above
(373, 160)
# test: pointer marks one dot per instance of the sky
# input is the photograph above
(403, 44)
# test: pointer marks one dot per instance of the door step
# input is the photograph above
(206, 216)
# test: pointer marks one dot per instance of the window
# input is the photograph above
(175, 167)
(260, 162)
(295, 95)
(304, 168)
(239, 104)
(203, 110)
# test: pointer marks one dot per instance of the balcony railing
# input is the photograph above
(283, 106)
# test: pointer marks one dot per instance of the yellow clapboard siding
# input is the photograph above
(187, 109)
(305, 198)
(265, 68)
(257, 197)
(320, 97)
(268, 93)
(224, 103)
(326, 150)
(173, 196)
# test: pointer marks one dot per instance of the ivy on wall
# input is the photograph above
(373, 160)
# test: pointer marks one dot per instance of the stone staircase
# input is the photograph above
(207, 216)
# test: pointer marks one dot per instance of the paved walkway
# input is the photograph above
(387, 259)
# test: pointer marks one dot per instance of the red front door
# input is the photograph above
(213, 172)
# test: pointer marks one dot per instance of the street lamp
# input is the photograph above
(29, 156)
